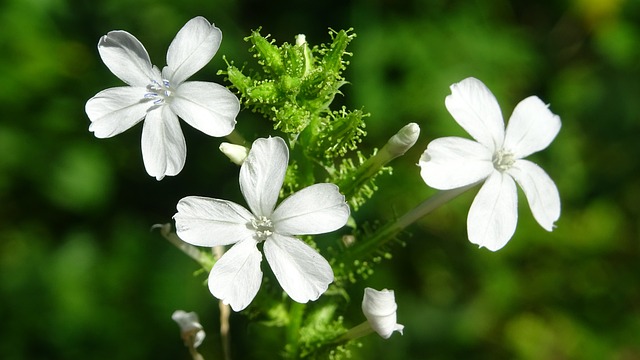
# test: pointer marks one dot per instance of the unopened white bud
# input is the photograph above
(379, 307)
(300, 39)
(190, 328)
(235, 153)
(403, 140)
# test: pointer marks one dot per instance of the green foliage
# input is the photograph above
(294, 88)
(296, 83)
(320, 330)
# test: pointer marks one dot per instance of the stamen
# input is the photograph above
(263, 227)
(159, 92)
(503, 160)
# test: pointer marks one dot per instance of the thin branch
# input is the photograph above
(190, 250)
(225, 312)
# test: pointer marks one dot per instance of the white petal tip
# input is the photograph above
(491, 247)
(549, 227)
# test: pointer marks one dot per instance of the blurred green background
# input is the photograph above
(81, 275)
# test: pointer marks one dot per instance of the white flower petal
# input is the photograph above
(127, 58)
(115, 110)
(532, 127)
(379, 307)
(208, 107)
(453, 162)
(163, 147)
(210, 222)
(236, 276)
(494, 212)
(474, 107)
(192, 48)
(316, 209)
(541, 192)
(301, 271)
(262, 174)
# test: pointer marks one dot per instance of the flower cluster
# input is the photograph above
(294, 90)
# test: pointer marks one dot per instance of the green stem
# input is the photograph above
(193, 252)
(236, 138)
(397, 146)
(390, 230)
(365, 171)
(440, 198)
(296, 312)
(356, 332)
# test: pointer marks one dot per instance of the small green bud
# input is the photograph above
(293, 60)
(290, 85)
(291, 119)
(301, 41)
(268, 52)
(238, 79)
(333, 62)
(264, 93)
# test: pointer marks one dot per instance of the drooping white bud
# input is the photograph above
(379, 307)
(190, 328)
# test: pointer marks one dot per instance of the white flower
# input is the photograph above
(160, 97)
(496, 157)
(379, 307)
(236, 276)
(190, 327)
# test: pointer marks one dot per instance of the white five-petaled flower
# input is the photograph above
(379, 307)
(497, 158)
(301, 271)
(160, 97)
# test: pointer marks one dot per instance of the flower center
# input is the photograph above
(159, 92)
(503, 160)
(263, 227)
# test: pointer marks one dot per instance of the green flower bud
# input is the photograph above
(332, 61)
(268, 52)
(238, 79)
(266, 92)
